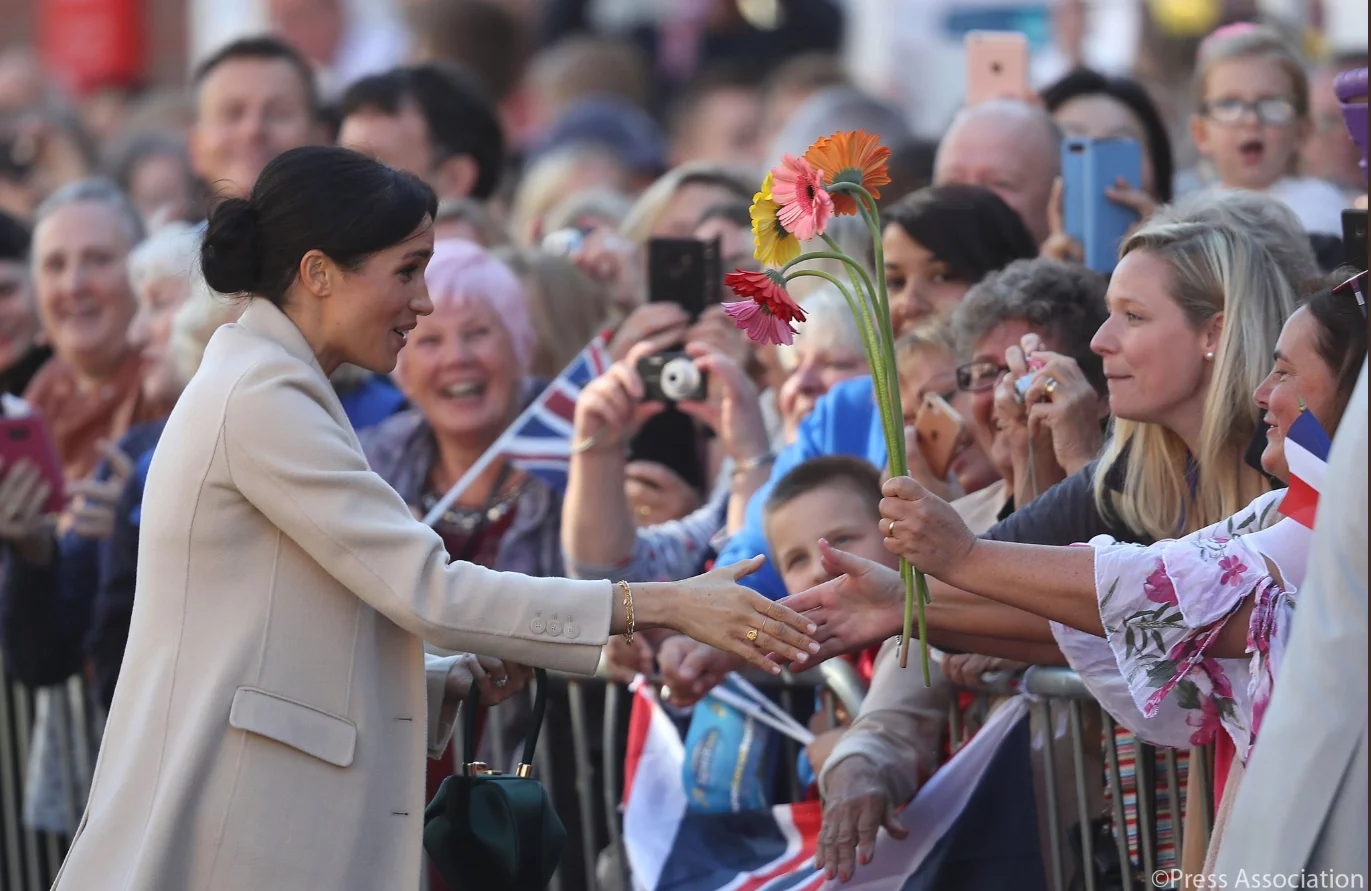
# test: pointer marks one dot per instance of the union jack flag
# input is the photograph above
(539, 440)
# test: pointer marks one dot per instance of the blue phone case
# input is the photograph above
(1089, 166)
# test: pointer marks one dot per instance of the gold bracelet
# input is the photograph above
(628, 611)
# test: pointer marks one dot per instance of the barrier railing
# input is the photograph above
(48, 743)
(29, 857)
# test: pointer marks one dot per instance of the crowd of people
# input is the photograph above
(1142, 413)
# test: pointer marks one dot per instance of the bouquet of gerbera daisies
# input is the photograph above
(840, 174)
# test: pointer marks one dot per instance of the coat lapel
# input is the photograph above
(265, 320)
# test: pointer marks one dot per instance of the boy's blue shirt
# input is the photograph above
(845, 421)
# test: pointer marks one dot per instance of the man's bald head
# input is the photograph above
(1009, 147)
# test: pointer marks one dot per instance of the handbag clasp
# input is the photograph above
(478, 769)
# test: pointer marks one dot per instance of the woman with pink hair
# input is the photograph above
(464, 374)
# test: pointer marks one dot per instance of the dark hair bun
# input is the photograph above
(228, 256)
(314, 198)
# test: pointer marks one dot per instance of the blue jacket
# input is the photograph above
(845, 421)
(54, 617)
(46, 611)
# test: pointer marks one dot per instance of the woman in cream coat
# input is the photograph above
(273, 714)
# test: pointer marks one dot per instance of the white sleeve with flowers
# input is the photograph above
(1163, 606)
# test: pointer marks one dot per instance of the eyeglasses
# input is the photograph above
(977, 377)
(1271, 110)
(1357, 286)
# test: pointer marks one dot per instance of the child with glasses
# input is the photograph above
(1253, 119)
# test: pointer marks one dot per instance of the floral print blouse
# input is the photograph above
(1162, 607)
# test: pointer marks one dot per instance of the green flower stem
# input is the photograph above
(888, 394)
(868, 336)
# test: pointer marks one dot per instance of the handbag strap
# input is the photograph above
(473, 705)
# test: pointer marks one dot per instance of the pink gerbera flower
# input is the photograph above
(767, 312)
(806, 206)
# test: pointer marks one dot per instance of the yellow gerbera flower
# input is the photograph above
(775, 246)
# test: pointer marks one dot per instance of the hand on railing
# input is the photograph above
(857, 805)
(977, 672)
(496, 680)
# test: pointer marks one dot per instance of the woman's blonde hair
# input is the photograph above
(637, 226)
(567, 307)
(933, 334)
(1219, 266)
(547, 182)
(195, 322)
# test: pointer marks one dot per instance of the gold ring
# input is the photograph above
(1051, 386)
(890, 530)
(751, 635)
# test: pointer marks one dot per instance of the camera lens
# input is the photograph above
(680, 379)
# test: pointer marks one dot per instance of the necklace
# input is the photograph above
(471, 519)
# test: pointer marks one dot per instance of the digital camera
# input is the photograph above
(672, 377)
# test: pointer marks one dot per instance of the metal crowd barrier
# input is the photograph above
(29, 858)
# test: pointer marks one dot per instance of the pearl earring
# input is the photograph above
(1209, 356)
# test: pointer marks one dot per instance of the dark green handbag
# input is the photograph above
(487, 831)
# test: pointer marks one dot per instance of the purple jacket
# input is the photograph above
(402, 450)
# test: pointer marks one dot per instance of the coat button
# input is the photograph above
(554, 627)
(537, 626)
(570, 630)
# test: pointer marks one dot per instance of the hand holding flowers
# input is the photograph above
(839, 175)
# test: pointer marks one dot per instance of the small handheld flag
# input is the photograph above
(1306, 454)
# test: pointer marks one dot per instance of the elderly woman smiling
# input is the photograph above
(464, 374)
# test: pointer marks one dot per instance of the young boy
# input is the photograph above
(836, 498)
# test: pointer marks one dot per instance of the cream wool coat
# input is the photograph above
(272, 717)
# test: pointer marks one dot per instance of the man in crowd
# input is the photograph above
(1010, 148)
(431, 121)
(341, 44)
(254, 99)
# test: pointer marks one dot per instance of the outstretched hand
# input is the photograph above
(862, 605)
(714, 609)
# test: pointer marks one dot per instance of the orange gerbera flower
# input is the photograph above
(767, 311)
(854, 156)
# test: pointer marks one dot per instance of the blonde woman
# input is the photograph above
(566, 306)
(1194, 314)
(1195, 308)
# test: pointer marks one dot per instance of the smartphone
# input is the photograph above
(939, 429)
(28, 437)
(683, 271)
(1351, 90)
(1354, 237)
(1089, 167)
(996, 66)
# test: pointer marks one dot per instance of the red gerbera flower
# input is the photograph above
(767, 312)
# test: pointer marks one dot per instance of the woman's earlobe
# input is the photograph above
(315, 273)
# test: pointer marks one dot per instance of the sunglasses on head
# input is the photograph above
(1356, 286)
